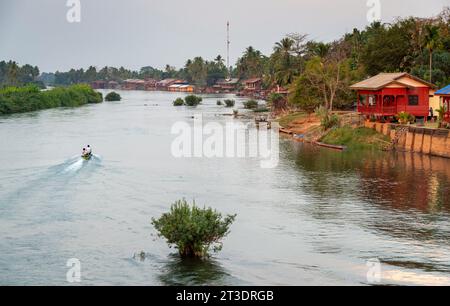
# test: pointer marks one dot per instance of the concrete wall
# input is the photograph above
(416, 139)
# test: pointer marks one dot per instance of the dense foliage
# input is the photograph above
(317, 73)
(113, 96)
(31, 98)
(192, 100)
(193, 230)
(178, 102)
(11, 74)
(251, 104)
(229, 103)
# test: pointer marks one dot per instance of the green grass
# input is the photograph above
(286, 120)
(356, 139)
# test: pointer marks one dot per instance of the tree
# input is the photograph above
(431, 42)
(251, 64)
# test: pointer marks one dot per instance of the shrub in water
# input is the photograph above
(113, 96)
(192, 100)
(229, 103)
(178, 102)
(193, 230)
(251, 104)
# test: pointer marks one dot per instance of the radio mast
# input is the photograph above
(228, 50)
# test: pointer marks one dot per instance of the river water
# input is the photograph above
(320, 218)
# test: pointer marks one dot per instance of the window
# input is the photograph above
(413, 100)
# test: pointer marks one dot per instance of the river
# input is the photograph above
(317, 218)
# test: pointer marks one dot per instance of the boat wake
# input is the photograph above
(44, 183)
(77, 163)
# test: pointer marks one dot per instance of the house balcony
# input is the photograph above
(378, 110)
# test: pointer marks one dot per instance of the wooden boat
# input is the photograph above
(334, 147)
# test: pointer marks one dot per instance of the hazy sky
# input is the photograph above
(136, 33)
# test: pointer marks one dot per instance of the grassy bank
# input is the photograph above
(359, 138)
(288, 119)
(31, 98)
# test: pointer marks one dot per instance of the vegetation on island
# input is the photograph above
(229, 103)
(112, 97)
(192, 100)
(178, 102)
(32, 98)
(251, 104)
(192, 230)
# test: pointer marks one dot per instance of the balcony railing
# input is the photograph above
(377, 109)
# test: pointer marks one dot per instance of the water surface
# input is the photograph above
(315, 219)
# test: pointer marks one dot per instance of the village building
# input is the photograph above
(388, 94)
(164, 84)
(182, 88)
(98, 84)
(252, 86)
(150, 84)
(444, 95)
(133, 84)
(113, 85)
(226, 85)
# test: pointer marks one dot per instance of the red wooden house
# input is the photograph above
(252, 85)
(444, 93)
(388, 94)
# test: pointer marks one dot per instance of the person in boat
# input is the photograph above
(88, 150)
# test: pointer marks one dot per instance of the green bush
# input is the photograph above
(327, 119)
(405, 118)
(178, 102)
(193, 100)
(31, 98)
(193, 230)
(251, 104)
(219, 103)
(113, 96)
(229, 103)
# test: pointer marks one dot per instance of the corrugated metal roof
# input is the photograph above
(383, 79)
(443, 91)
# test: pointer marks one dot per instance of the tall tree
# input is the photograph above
(431, 42)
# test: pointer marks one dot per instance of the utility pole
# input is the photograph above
(228, 50)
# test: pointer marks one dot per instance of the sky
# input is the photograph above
(137, 33)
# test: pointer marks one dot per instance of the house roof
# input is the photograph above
(251, 81)
(444, 91)
(227, 82)
(383, 79)
(166, 82)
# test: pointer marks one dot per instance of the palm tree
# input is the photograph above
(431, 42)
(12, 74)
(284, 46)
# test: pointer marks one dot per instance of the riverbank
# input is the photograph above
(350, 134)
(31, 98)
